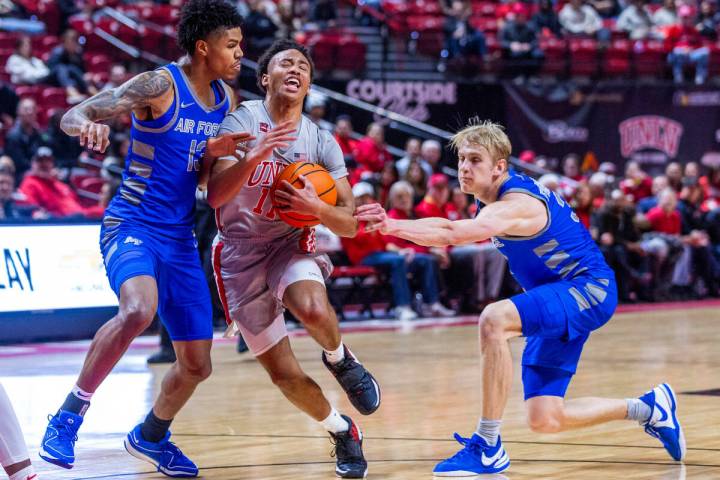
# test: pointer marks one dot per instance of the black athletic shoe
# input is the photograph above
(164, 355)
(348, 451)
(360, 386)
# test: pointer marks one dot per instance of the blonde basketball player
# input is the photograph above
(264, 265)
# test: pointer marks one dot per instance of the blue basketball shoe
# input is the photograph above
(58, 444)
(164, 454)
(477, 457)
(663, 423)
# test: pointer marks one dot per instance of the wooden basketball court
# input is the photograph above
(238, 426)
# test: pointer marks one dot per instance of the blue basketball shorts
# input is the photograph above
(183, 294)
(557, 320)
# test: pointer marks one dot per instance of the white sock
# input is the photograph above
(489, 430)
(27, 473)
(335, 356)
(637, 410)
(334, 423)
(81, 394)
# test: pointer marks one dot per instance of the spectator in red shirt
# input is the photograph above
(583, 204)
(637, 184)
(711, 188)
(370, 152)
(665, 218)
(685, 45)
(373, 249)
(42, 189)
(435, 203)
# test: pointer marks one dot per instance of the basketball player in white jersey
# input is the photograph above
(263, 264)
(14, 456)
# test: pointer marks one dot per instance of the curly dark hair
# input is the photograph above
(200, 18)
(274, 49)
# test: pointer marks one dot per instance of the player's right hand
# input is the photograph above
(94, 136)
(375, 217)
(279, 137)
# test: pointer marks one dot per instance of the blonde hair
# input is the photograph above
(484, 133)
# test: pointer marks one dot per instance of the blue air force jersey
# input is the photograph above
(163, 162)
(560, 251)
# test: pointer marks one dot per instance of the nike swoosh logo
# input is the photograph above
(662, 412)
(185, 105)
(489, 462)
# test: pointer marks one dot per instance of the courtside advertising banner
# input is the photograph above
(50, 267)
(652, 125)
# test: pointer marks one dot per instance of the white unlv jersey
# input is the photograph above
(250, 214)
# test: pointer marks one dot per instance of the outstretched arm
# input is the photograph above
(516, 215)
(139, 92)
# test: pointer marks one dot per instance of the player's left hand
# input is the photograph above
(374, 215)
(304, 201)
(227, 144)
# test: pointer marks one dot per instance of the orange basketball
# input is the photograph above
(321, 180)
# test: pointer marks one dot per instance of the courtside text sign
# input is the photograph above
(49, 267)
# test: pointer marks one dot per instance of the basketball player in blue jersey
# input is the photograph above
(147, 238)
(569, 292)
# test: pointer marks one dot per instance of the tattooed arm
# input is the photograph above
(149, 90)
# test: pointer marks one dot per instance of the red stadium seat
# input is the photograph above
(152, 40)
(583, 56)
(484, 9)
(4, 55)
(425, 23)
(555, 50)
(53, 97)
(485, 24)
(28, 90)
(81, 24)
(44, 44)
(7, 41)
(351, 55)
(649, 58)
(323, 52)
(426, 7)
(161, 14)
(617, 58)
(97, 63)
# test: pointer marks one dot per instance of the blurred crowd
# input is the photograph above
(688, 29)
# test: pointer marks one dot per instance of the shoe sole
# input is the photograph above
(467, 473)
(673, 399)
(50, 459)
(141, 456)
(464, 474)
(342, 474)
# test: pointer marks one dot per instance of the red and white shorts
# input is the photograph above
(252, 275)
